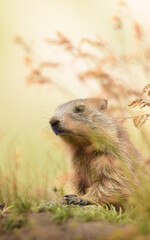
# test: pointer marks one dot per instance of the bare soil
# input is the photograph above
(40, 227)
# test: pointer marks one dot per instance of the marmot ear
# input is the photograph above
(99, 103)
(103, 104)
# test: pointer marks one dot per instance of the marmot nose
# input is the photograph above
(54, 122)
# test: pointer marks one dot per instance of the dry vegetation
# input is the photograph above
(112, 70)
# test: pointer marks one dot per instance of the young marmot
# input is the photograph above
(103, 158)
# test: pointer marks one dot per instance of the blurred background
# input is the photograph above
(55, 51)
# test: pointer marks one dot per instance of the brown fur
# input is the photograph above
(103, 158)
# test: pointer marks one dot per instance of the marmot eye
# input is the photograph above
(79, 109)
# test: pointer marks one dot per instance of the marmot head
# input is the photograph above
(81, 118)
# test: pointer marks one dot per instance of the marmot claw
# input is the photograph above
(73, 199)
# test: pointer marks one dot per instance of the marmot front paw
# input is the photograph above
(74, 199)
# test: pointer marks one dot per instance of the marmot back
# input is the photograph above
(103, 158)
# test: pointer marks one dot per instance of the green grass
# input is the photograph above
(17, 214)
(22, 201)
(22, 205)
(26, 187)
(14, 221)
(62, 213)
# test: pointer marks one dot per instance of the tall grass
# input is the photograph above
(22, 174)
